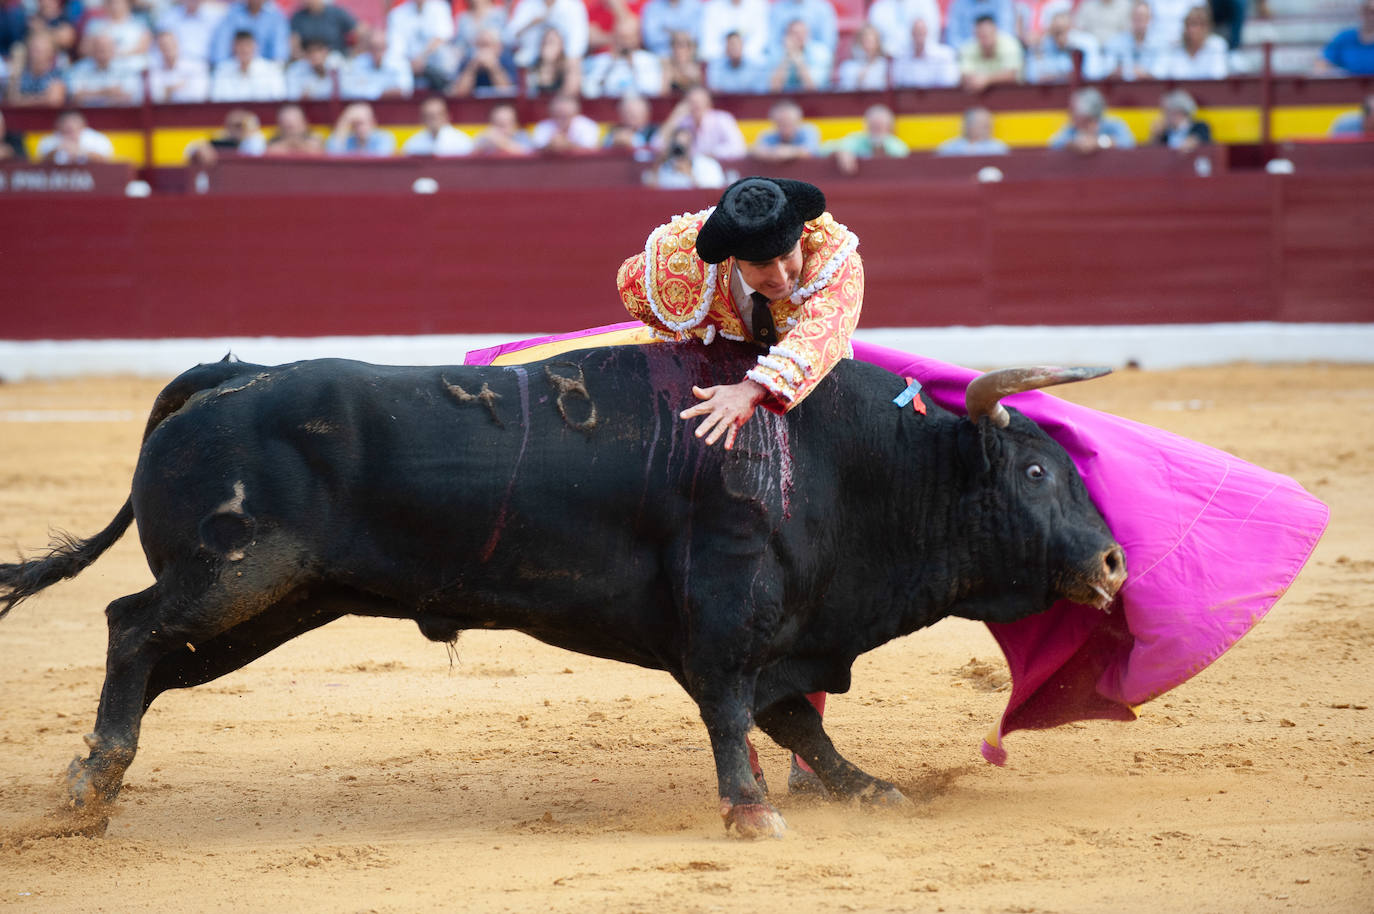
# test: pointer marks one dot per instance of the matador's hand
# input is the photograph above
(726, 408)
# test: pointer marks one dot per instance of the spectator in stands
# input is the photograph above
(819, 15)
(801, 64)
(321, 20)
(38, 78)
(313, 76)
(1177, 125)
(566, 129)
(12, 148)
(490, 71)
(625, 67)
(241, 134)
(682, 70)
(60, 19)
(1355, 123)
(894, 19)
(14, 28)
(634, 128)
(962, 18)
(734, 73)
(531, 18)
(603, 16)
(789, 137)
(927, 63)
(357, 134)
(129, 35)
(479, 16)
(502, 135)
(683, 169)
(1198, 54)
(437, 137)
(247, 77)
(868, 68)
(264, 20)
(1135, 53)
(294, 136)
(1352, 51)
(661, 20)
(553, 71)
(1167, 18)
(1033, 18)
(1090, 127)
(1102, 19)
(174, 77)
(875, 140)
(374, 73)
(975, 137)
(1051, 59)
(715, 133)
(73, 143)
(420, 32)
(193, 22)
(721, 17)
(993, 56)
(100, 79)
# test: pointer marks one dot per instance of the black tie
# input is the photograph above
(765, 333)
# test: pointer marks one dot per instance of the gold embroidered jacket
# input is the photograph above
(669, 288)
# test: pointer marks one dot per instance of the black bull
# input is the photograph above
(565, 499)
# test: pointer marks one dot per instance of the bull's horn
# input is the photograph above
(983, 392)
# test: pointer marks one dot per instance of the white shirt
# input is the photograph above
(569, 17)
(302, 82)
(91, 142)
(583, 133)
(263, 82)
(188, 82)
(938, 66)
(449, 142)
(611, 75)
(86, 76)
(364, 78)
(721, 17)
(893, 19)
(410, 28)
(193, 30)
(1208, 63)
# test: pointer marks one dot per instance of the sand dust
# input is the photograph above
(357, 770)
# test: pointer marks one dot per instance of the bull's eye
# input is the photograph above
(1035, 471)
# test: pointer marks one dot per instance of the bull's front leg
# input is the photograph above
(724, 706)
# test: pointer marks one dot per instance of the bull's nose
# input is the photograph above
(1114, 567)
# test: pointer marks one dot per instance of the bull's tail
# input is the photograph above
(66, 558)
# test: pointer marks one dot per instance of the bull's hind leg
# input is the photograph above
(795, 724)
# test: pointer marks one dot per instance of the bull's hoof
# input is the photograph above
(886, 796)
(87, 788)
(753, 820)
(803, 783)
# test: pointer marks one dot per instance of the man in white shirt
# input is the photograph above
(624, 67)
(312, 76)
(419, 32)
(193, 22)
(101, 79)
(747, 17)
(375, 74)
(894, 18)
(246, 77)
(531, 18)
(173, 77)
(437, 137)
(566, 129)
(926, 63)
(73, 143)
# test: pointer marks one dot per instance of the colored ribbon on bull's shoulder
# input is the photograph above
(911, 395)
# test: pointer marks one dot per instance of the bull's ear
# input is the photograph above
(979, 444)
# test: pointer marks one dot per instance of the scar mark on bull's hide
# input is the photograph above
(486, 396)
(318, 427)
(568, 386)
(260, 376)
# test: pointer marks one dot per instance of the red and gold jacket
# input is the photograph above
(679, 297)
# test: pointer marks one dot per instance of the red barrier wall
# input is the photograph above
(1236, 246)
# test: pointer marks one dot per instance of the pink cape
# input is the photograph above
(1211, 543)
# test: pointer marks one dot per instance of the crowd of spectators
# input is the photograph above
(110, 52)
(79, 54)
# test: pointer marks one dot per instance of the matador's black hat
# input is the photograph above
(758, 219)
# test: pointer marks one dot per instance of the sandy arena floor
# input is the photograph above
(356, 770)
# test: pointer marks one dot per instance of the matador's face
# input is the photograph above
(775, 278)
